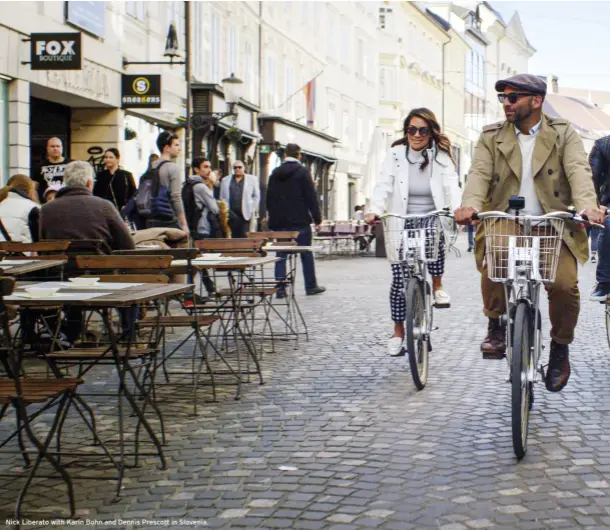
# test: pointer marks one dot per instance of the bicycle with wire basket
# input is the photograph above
(413, 241)
(522, 252)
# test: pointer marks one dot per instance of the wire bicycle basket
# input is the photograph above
(411, 237)
(525, 248)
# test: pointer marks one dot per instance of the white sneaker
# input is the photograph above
(441, 299)
(396, 347)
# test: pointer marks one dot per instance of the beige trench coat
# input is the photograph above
(562, 176)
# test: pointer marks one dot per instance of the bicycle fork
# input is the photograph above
(528, 292)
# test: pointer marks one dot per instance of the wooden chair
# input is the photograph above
(286, 237)
(17, 248)
(232, 247)
(145, 264)
(42, 392)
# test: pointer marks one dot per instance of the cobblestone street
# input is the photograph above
(339, 438)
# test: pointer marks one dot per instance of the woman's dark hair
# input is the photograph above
(441, 141)
(114, 151)
(152, 158)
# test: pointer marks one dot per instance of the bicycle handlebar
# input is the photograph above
(443, 212)
(566, 216)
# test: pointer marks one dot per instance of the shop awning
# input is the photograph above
(318, 155)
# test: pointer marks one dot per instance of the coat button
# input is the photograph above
(571, 234)
(550, 171)
(556, 194)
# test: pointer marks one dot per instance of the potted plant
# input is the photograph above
(233, 134)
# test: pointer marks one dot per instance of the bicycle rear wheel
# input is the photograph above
(521, 366)
(415, 324)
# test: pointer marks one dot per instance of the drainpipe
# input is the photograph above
(260, 54)
(187, 74)
(443, 81)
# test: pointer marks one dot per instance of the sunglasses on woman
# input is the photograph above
(423, 131)
(513, 97)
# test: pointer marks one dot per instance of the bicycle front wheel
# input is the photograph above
(415, 324)
(521, 366)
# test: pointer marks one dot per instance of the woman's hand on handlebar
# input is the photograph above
(370, 218)
(463, 215)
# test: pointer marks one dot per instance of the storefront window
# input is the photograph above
(3, 132)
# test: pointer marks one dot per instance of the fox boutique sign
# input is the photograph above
(56, 51)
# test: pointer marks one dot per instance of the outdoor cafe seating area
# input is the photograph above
(159, 333)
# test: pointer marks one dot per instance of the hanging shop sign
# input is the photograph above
(141, 91)
(56, 51)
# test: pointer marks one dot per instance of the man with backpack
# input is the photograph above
(158, 201)
(200, 208)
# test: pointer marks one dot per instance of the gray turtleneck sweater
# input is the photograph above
(420, 192)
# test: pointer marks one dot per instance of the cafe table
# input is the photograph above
(104, 297)
(239, 284)
(19, 267)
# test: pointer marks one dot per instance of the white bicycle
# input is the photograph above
(413, 241)
(522, 252)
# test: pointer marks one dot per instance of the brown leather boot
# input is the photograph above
(494, 345)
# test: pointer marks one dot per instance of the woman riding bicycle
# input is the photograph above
(417, 176)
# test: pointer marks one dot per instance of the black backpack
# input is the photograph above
(191, 211)
(152, 200)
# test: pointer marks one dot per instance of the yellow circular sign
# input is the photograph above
(141, 86)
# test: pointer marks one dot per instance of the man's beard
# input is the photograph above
(520, 115)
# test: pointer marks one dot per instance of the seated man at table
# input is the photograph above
(77, 214)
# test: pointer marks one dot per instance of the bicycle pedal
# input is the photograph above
(493, 356)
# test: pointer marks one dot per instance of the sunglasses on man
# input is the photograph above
(513, 97)
(423, 131)
(238, 167)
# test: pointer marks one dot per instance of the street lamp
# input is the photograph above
(233, 88)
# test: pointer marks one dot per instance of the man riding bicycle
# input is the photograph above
(543, 160)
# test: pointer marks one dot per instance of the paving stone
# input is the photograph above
(369, 450)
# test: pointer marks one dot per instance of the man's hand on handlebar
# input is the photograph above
(595, 215)
(463, 215)
(370, 218)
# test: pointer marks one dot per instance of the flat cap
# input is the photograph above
(528, 82)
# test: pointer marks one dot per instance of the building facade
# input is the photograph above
(83, 107)
(495, 50)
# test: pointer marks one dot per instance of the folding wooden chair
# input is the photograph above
(44, 394)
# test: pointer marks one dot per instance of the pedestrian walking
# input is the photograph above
(114, 183)
(201, 208)
(417, 176)
(242, 194)
(158, 201)
(51, 171)
(543, 160)
(292, 205)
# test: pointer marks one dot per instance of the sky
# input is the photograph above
(571, 38)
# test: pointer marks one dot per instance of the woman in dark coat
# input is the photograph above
(114, 183)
